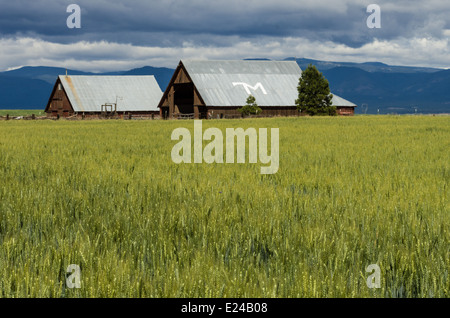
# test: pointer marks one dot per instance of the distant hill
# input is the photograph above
(368, 66)
(389, 89)
(48, 74)
(163, 75)
(23, 93)
(392, 92)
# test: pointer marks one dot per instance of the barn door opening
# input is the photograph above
(164, 112)
(184, 99)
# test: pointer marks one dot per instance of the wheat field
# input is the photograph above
(106, 196)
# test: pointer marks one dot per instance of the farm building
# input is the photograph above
(217, 89)
(96, 95)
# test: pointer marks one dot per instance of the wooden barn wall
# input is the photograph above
(233, 112)
(218, 112)
(168, 107)
(345, 111)
(182, 77)
(121, 115)
(59, 102)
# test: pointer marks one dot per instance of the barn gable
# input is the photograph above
(58, 102)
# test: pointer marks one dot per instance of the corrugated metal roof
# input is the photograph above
(228, 83)
(89, 93)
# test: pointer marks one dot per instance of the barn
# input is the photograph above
(217, 89)
(100, 95)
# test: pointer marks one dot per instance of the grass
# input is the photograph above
(22, 112)
(106, 196)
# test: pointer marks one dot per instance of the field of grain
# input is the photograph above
(106, 196)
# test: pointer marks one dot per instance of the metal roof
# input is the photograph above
(133, 93)
(229, 83)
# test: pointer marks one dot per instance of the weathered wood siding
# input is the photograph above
(59, 103)
(345, 111)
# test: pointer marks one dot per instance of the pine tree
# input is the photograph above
(314, 97)
(251, 107)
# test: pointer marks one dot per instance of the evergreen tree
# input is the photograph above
(251, 107)
(314, 97)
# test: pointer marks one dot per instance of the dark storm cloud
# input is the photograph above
(169, 22)
(122, 34)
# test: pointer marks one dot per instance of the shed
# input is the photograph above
(92, 95)
(217, 89)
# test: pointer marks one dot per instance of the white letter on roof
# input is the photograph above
(247, 87)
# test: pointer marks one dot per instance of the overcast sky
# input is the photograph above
(120, 35)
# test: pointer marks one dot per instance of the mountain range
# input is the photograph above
(375, 87)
